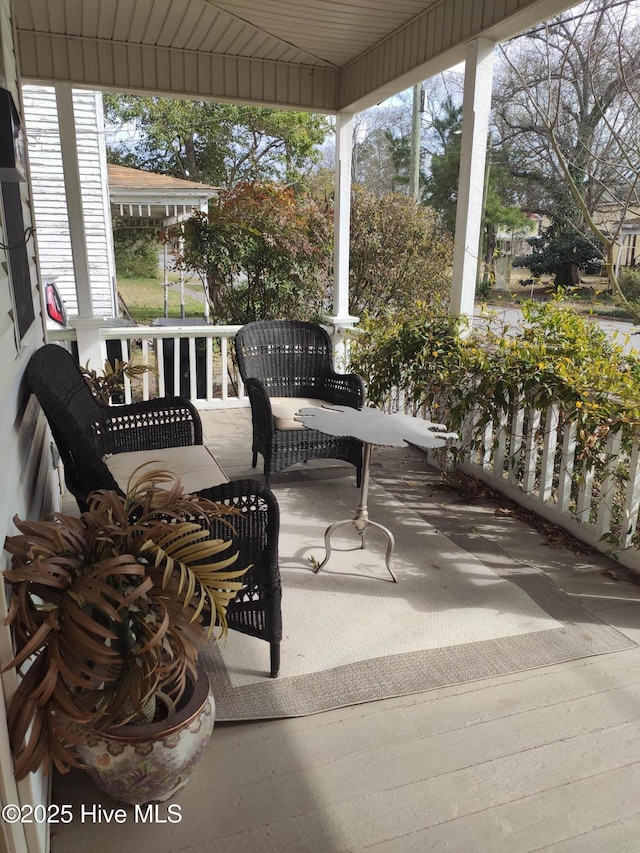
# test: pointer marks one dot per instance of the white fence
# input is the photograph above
(192, 361)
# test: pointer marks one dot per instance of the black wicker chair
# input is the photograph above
(283, 359)
(84, 430)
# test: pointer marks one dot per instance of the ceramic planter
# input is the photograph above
(149, 763)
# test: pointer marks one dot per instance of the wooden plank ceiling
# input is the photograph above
(311, 54)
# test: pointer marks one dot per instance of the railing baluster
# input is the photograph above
(632, 502)
(177, 355)
(193, 385)
(585, 489)
(162, 387)
(567, 463)
(608, 484)
(500, 444)
(209, 370)
(223, 368)
(516, 443)
(487, 442)
(531, 451)
(549, 452)
(125, 355)
(145, 375)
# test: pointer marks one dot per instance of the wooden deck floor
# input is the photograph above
(544, 760)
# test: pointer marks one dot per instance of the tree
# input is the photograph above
(400, 255)
(569, 124)
(262, 253)
(441, 187)
(382, 134)
(379, 136)
(560, 251)
(218, 144)
(441, 190)
(135, 251)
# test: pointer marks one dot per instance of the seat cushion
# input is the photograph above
(285, 408)
(194, 465)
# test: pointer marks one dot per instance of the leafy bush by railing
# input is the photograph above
(553, 356)
(495, 387)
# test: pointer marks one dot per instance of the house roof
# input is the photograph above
(149, 197)
(320, 55)
(123, 179)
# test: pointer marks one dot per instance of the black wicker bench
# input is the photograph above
(101, 447)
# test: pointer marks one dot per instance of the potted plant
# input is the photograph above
(107, 611)
(108, 384)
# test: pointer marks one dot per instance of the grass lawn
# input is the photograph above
(591, 297)
(145, 300)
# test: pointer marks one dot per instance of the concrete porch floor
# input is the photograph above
(543, 760)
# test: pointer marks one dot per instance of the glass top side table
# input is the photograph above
(371, 426)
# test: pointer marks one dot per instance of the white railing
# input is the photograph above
(203, 371)
(191, 361)
(537, 460)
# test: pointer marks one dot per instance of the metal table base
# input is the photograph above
(361, 519)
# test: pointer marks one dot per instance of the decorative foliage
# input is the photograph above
(110, 382)
(555, 356)
(106, 611)
(262, 252)
(398, 255)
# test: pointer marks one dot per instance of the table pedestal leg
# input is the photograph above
(361, 519)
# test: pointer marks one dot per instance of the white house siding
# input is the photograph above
(29, 482)
(50, 210)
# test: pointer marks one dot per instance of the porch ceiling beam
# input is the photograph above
(174, 72)
(433, 42)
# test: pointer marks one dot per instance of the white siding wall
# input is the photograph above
(29, 482)
(50, 210)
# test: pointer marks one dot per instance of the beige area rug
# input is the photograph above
(462, 609)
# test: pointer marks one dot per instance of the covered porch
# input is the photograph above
(538, 759)
(543, 759)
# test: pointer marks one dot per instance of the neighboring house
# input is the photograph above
(141, 199)
(620, 216)
(623, 221)
(629, 251)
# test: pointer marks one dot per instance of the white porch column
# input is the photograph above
(478, 78)
(86, 324)
(341, 319)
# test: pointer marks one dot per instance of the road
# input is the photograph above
(622, 331)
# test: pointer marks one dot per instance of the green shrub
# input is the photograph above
(629, 281)
(399, 254)
(554, 356)
(136, 252)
